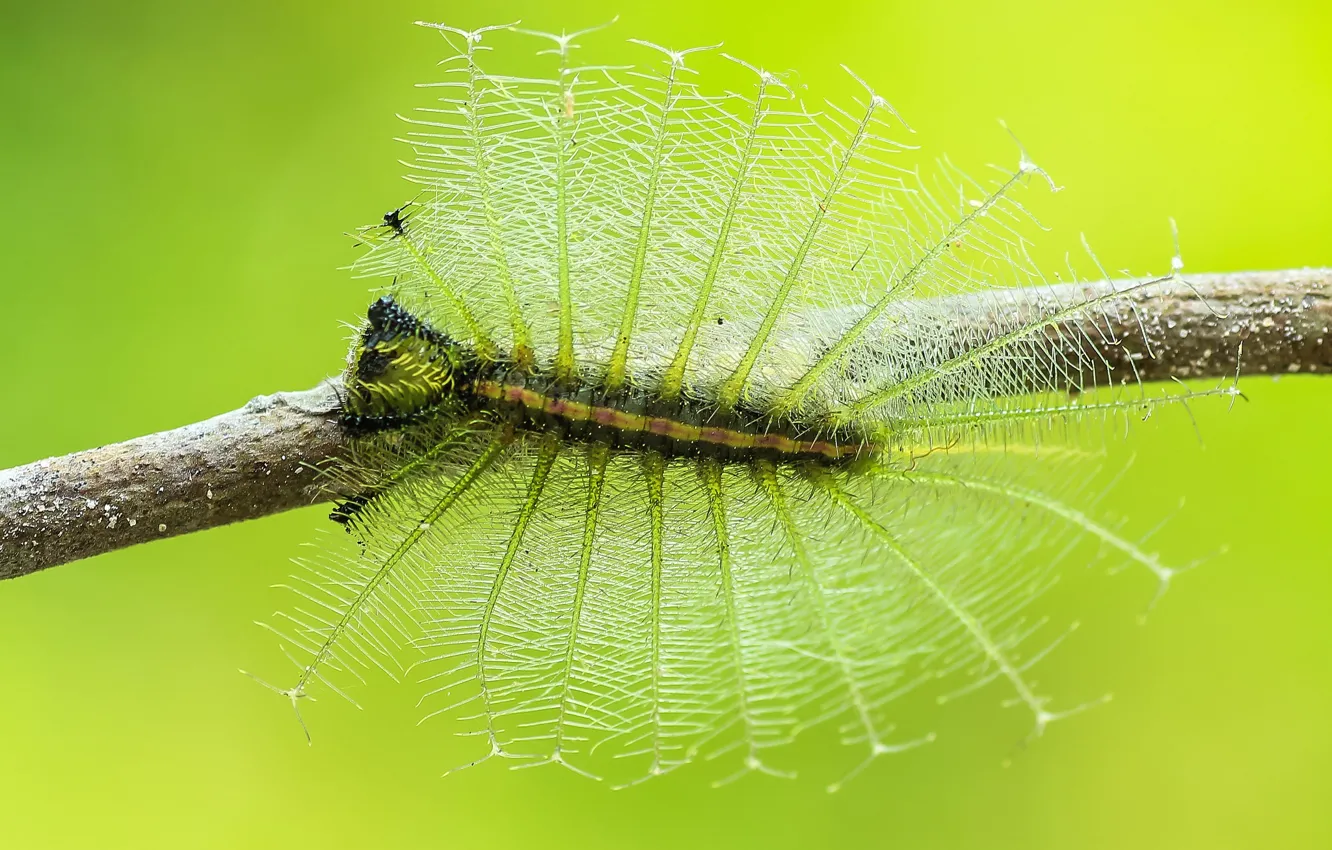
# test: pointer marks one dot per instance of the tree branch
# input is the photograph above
(244, 464)
(261, 459)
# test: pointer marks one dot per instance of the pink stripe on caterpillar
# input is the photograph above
(620, 420)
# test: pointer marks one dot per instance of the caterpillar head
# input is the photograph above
(400, 369)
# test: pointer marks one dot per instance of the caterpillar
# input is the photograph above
(669, 436)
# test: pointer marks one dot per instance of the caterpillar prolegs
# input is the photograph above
(665, 442)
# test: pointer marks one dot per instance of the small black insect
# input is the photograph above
(345, 512)
(394, 220)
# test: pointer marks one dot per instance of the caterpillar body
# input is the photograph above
(671, 435)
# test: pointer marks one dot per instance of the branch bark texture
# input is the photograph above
(1194, 328)
(248, 463)
(260, 459)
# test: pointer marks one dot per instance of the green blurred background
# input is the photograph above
(175, 180)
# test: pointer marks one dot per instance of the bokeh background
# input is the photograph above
(175, 183)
